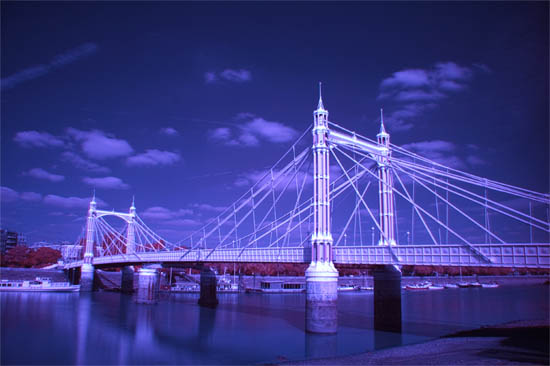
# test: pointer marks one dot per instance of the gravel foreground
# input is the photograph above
(516, 343)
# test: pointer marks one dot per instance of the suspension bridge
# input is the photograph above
(345, 199)
(298, 213)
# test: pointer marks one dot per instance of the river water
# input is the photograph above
(109, 328)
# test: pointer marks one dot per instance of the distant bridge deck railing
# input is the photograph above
(500, 255)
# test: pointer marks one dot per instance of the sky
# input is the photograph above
(180, 103)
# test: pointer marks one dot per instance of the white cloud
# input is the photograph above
(444, 152)
(8, 195)
(106, 182)
(162, 213)
(237, 76)
(59, 60)
(98, 145)
(207, 207)
(30, 196)
(252, 131)
(70, 202)
(37, 139)
(84, 164)
(415, 91)
(153, 157)
(169, 131)
(43, 174)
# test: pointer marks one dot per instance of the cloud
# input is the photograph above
(207, 207)
(415, 91)
(237, 76)
(251, 131)
(169, 131)
(162, 213)
(445, 153)
(30, 196)
(58, 61)
(8, 195)
(106, 183)
(71, 202)
(153, 157)
(81, 163)
(42, 174)
(37, 139)
(98, 145)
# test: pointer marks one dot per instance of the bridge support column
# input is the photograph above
(86, 277)
(387, 299)
(209, 283)
(127, 282)
(148, 285)
(321, 298)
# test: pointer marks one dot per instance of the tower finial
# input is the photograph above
(133, 200)
(382, 128)
(320, 105)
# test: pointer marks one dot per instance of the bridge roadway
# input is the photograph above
(486, 255)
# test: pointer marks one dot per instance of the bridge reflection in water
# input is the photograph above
(109, 328)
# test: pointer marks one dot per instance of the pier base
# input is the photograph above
(148, 285)
(321, 298)
(387, 299)
(127, 282)
(209, 283)
(321, 345)
(86, 278)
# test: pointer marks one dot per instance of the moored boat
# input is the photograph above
(347, 288)
(436, 287)
(40, 284)
(419, 286)
(489, 285)
(451, 285)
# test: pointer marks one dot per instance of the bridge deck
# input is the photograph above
(488, 255)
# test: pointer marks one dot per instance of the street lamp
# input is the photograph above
(408, 238)
(372, 230)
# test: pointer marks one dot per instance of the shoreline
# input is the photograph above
(514, 343)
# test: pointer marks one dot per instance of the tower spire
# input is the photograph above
(382, 128)
(320, 105)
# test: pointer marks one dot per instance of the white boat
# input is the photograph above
(475, 284)
(489, 285)
(40, 284)
(366, 288)
(463, 284)
(347, 288)
(419, 286)
(451, 285)
(185, 287)
(225, 285)
(436, 287)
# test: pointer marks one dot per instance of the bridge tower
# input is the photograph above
(127, 281)
(321, 275)
(87, 269)
(130, 234)
(385, 189)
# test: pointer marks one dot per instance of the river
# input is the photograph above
(109, 328)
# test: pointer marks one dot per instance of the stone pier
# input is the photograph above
(148, 285)
(321, 298)
(86, 278)
(387, 299)
(208, 297)
(127, 281)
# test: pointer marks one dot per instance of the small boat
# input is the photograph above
(225, 285)
(185, 287)
(347, 288)
(366, 288)
(39, 284)
(436, 287)
(489, 285)
(451, 285)
(463, 284)
(475, 284)
(419, 286)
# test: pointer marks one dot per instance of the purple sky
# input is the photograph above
(183, 104)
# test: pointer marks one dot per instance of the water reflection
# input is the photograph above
(109, 328)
